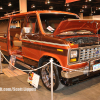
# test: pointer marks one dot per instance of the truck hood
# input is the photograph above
(70, 25)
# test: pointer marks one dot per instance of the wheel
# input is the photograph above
(45, 73)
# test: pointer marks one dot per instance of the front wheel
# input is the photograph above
(46, 76)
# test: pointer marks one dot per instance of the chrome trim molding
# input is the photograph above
(45, 42)
(1, 36)
(89, 52)
(71, 74)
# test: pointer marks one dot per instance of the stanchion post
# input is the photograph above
(0, 62)
(51, 61)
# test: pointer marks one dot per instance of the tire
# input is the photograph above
(45, 73)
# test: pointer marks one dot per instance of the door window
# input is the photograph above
(17, 23)
(32, 22)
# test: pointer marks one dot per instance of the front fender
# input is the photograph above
(61, 59)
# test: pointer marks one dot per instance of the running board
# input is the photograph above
(24, 65)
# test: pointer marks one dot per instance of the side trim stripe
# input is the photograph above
(45, 42)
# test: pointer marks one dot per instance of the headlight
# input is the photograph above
(74, 54)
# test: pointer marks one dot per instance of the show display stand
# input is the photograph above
(12, 70)
(12, 62)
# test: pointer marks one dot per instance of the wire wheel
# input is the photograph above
(46, 76)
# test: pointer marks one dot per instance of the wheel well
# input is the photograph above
(48, 57)
(54, 59)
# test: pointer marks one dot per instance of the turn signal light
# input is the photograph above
(73, 60)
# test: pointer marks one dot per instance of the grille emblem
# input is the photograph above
(97, 52)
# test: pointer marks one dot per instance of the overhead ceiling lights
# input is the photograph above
(84, 6)
(32, 6)
(88, 0)
(67, 9)
(81, 10)
(51, 7)
(9, 4)
(97, 8)
(67, 4)
(47, 2)
(1, 7)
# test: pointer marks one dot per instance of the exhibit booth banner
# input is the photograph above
(68, 1)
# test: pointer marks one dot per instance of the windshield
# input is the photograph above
(77, 32)
(51, 21)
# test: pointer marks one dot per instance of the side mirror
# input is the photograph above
(27, 29)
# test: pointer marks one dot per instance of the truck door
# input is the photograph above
(4, 24)
(30, 46)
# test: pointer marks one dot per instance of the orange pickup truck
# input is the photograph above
(35, 37)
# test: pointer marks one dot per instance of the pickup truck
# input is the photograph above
(36, 36)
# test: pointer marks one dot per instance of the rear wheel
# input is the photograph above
(46, 76)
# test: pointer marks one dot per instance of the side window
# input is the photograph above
(17, 22)
(32, 22)
(16, 26)
(4, 27)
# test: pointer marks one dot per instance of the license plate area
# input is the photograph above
(96, 67)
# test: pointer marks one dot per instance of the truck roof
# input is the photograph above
(38, 11)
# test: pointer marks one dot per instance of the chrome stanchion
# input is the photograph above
(12, 62)
(51, 61)
(0, 62)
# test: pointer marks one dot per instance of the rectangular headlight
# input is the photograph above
(74, 54)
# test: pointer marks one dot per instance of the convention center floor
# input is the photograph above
(15, 88)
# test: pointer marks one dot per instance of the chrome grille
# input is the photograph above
(88, 53)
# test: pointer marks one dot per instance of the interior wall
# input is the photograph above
(88, 17)
(95, 17)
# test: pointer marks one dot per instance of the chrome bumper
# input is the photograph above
(75, 73)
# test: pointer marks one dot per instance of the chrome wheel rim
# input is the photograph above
(46, 76)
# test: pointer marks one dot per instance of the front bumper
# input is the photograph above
(74, 73)
(79, 79)
(81, 71)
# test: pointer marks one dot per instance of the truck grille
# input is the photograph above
(89, 53)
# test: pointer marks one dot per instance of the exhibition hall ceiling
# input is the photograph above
(87, 7)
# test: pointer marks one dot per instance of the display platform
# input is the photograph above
(87, 90)
(12, 73)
